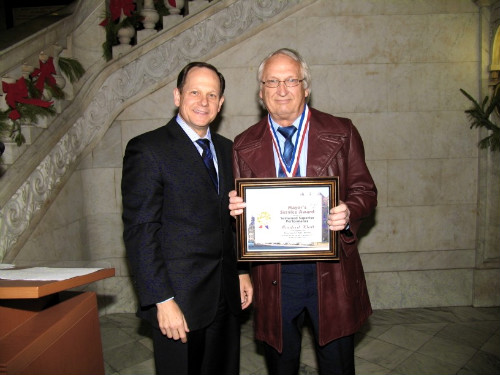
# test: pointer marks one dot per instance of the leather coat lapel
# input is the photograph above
(257, 153)
(326, 147)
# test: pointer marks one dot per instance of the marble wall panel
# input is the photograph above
(231, 126)
(444, 227)
(99, 191)
(425, 228)
(427, 182)
(58, 236)
(390, 232)
(108, 153)
(158, 105)
(491, 253)
(353, 40)
(380, 39)
(420, 288)
(443, 37)
(349, 88)
(69, 208)
(103, 236)
(486, 286)
(386, 136)
(86, 162)
(416, 135)
(418, 260)
(251, 52)
(429, 86)
(60, 244)
(241, 94)
(378, 170)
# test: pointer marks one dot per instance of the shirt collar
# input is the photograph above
(190, 132)
(275, 125)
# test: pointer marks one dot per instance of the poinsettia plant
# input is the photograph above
(22, 107)
(123, 13)
(25, 100)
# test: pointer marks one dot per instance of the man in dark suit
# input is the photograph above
(179, 235)
(332, 294)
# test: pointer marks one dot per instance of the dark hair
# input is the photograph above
(181, 78)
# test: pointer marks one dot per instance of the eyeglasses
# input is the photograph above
(289, 82)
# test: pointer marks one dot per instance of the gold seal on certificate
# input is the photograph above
(285, 219)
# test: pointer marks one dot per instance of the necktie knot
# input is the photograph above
(205, 145)
(287, 132)
(287, 154)
(208, 160)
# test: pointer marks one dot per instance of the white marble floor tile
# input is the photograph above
(424, 365)
(448, 351)
(383, 354)
(405, 337)
(456, 340)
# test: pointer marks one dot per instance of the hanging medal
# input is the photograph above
(297, 145)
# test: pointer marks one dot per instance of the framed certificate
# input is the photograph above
(285, 219)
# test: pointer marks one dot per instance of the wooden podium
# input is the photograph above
(47, 330)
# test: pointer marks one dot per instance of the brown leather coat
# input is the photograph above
(335, 149)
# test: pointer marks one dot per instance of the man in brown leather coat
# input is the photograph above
(332, 294)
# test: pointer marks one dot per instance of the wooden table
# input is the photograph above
(45, 329)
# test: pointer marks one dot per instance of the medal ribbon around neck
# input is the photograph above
(297, 146)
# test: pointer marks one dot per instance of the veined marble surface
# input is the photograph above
(455, 340)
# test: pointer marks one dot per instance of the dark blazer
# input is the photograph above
(335, 149)
(177, 230)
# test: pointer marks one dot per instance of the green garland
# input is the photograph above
(28, 112)
(4, 124)
(112, 31)
(162, 11)
(71, 68)
(479, 116)
(55, 91)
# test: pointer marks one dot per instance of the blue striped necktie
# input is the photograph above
(288, 133)
(208, 160)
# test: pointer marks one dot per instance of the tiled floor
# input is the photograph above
(456, 340)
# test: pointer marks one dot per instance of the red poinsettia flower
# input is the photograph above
(116, 7)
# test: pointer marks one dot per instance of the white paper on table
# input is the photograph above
(44, 273)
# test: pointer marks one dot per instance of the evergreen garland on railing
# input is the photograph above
(29, 113)
(71, 68)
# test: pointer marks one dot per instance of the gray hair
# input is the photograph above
(306, 72)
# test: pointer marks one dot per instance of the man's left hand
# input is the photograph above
(246, 291)
(338, 217)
